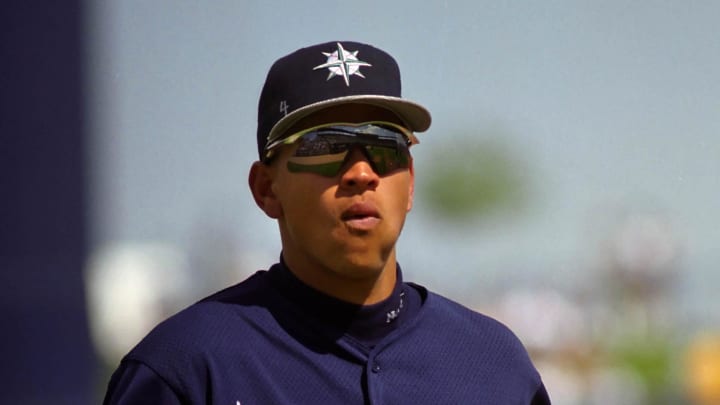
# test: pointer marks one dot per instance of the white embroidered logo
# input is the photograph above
(392, 315)
(284, 107)
(342, 63)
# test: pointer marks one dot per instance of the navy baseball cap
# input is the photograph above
(325, 75)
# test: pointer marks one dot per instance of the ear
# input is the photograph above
(411, 186)
(260, 181)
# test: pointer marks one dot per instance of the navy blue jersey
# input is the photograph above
(273, 340)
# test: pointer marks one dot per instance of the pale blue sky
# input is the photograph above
(613, 106)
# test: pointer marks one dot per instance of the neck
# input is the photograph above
(356, 285)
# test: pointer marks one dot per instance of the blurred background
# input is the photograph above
(569, 185)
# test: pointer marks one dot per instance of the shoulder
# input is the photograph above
(479, 336)
(453, 315)
(475, 346)
(187, 339)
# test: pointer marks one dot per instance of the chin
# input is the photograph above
(363, 266)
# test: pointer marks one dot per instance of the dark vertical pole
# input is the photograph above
(45, 351)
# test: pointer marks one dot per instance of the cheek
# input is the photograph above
(411, 195)
(397, 202)
(404, 194)
(303, 202)
(309, 222)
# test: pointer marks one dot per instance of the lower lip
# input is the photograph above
(363, 224)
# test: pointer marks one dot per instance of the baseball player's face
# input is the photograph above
(341, 231)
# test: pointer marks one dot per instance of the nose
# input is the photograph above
(358, 172)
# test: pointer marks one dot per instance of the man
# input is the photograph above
(332, 322)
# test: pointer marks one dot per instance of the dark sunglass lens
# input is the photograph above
(386, 160)
(324, 151)
(315, 144)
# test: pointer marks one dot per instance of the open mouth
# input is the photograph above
(352, 217)
(361, 216)
(360, 211)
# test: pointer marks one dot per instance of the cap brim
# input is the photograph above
(416, 117)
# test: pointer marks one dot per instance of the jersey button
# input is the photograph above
(376, 368)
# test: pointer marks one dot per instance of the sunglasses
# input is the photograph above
(324, 149)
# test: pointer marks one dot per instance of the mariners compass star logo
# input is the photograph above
(342, 63)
